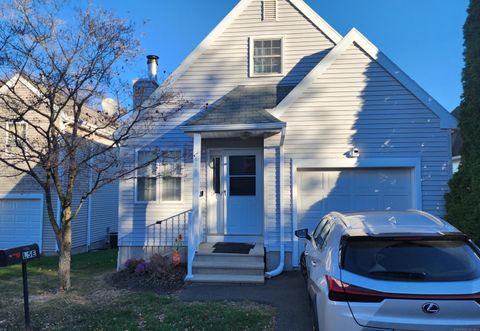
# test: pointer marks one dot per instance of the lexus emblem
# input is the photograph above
(430, 308)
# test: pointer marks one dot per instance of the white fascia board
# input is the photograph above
(17, 78)
(318, 21)
(233, 127)
(447, 121)
(205, 44)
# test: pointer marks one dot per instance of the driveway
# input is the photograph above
(286, 292)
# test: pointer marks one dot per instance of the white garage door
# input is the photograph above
(348, 190)
(20, 222)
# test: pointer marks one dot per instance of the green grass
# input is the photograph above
(94, 305)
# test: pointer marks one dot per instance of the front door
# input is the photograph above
(236, 193)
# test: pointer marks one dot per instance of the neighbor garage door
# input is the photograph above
(348, 190)
(20, 222)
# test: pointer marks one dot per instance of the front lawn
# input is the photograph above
(92, 304)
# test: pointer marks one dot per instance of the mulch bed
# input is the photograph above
(166, 282)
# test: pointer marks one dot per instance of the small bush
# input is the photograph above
(132, 264)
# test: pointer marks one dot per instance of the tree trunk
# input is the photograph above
(64, 262)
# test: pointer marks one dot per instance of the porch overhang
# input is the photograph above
(235, 130)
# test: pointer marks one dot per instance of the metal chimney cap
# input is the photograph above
(152, 58)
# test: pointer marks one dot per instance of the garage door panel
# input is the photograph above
(349, 190)
(20, 222)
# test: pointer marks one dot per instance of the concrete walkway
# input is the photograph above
(286, 292)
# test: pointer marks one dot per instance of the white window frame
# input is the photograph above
(181, 176)
(251, 61)
(159, 176)
(7, 133)
(136, 178)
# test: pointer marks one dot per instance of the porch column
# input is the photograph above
(197, 156)
(194, 224)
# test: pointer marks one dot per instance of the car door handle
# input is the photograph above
(314, 264)
(306, 253)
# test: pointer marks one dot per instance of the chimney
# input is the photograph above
(144, 88)
(152, 62)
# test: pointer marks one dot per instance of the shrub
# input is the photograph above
(132, 264)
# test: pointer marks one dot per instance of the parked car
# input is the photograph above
(391, 271)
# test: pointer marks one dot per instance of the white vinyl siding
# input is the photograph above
(225, 65)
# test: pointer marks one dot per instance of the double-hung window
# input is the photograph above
(171, 168)
(147, 176)
(16, 134)
(267, 56)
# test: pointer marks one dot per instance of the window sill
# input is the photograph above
(266, 75)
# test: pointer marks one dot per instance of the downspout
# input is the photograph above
(281, 265)
(89, 211)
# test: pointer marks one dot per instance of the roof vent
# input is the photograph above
(269, 10)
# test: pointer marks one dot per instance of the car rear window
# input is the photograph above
(414, 260)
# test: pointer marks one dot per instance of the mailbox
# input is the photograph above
(19, 255)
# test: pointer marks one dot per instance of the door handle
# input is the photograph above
(314, 264)
(306, 253)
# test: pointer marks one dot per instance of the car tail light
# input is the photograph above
(341, 291)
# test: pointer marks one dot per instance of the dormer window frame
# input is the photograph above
(252, 40)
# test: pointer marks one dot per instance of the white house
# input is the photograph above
(298, 121)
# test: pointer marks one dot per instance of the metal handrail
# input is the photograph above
(164, 233)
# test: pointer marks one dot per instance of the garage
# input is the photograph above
(20, 222)
(321, 191)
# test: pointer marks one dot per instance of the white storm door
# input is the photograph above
(244, 193)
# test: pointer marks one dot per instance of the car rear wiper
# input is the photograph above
(399, 274)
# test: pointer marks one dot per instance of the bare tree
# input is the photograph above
(69, 65)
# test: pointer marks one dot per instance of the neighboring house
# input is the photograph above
(23, 213)
(298, 121)
(456, 144)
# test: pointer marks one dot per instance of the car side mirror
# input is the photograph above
(303, 234)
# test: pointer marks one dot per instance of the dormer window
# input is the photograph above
(266, 56)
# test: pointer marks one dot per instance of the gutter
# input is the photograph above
(277, 271)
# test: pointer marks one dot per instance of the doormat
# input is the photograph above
(235, 248)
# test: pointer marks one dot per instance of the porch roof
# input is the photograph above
(243, 107)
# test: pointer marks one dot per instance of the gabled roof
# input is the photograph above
(305, 9)
(447, 121)
(243, 105)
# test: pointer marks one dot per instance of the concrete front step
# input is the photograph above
(221, 278)
(228, 267)
(210, 267)
(228, 258)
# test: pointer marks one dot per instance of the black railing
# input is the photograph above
(163, 233)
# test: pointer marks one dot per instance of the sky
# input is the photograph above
(423, 37)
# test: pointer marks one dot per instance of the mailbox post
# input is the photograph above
(21, 255)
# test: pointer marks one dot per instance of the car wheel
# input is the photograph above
(313, 308)
(303, 266)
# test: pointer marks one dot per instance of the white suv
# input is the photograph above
(391, 271)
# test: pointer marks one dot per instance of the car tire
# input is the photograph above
(313, 309)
